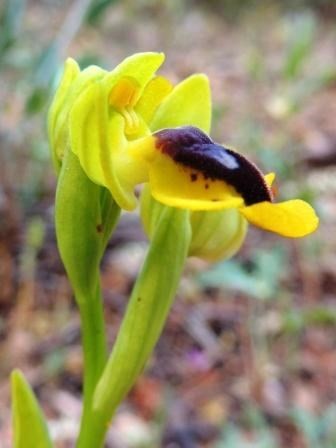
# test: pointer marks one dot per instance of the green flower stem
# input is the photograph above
(94, 348)
(145, 316)
(85, 216)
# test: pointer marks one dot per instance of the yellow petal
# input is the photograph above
(269, 179)
(179, 186)
(295, 218)
(154, 93)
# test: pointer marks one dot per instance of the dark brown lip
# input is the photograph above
(191, 147)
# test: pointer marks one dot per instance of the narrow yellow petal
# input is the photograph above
(269, 178)
(183, 187)
(294, 219)
(154, 93)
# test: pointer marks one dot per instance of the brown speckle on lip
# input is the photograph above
(190, 147)
(193, 177)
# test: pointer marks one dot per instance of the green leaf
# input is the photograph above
(318, 429)
(10, 23)
(302, 33)
(260, 282)
(234, 436)
(37, 100)
(97, 9)
(29, 426)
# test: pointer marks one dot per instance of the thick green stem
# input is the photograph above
(145, 316)
(85, 217)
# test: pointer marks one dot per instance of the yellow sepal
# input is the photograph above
(188, 104)
(100, 144)
(71, 71)
(294, 219)
(88, 138)
(73, 84)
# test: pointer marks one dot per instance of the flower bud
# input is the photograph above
(216, 234)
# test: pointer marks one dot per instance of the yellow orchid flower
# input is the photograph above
(190, 171)
(129, 127)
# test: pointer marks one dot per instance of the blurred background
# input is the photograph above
(248, 355)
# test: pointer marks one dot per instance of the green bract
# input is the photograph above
(29, 427)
